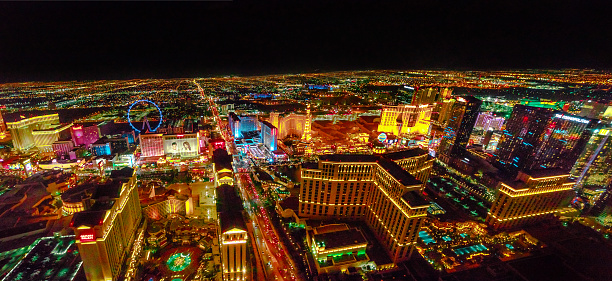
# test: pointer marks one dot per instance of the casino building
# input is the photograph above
(106, 225)
(292, 124)
(405, 119)
(239, 125)
(336, 247)
(178, 145)
(383, 190)
(37, 132)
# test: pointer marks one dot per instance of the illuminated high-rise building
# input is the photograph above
(269, 135)
(425, 96)
(374, 188)
(593, 169)
(442, 110)
(536, 137)
(463, 115)
(274, 119)
(37, 132)
(105, 230)
(531, 197)
(233, 232)
(405, 119)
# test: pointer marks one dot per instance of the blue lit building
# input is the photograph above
(242, 124)
(102, 148)
(131, 137)
(108, 146)
(269, 135)
(463, 115)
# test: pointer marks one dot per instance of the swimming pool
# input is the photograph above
(427, 239)
(470, 249)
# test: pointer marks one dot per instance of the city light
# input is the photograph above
(338, 175)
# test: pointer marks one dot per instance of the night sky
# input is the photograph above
(78, 41)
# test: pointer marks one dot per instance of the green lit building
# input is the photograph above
(336, 247)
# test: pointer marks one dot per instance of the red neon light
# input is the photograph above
(87, 235)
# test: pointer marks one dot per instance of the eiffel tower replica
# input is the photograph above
(306, 137)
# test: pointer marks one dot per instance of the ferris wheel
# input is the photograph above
(142, 109)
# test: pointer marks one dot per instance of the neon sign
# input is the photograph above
(572, 118)
(382, 137)
(87, 235)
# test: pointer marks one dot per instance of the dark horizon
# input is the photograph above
(90, 41)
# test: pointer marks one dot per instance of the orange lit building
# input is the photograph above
(531, 197)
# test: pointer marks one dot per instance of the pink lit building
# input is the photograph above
(85, 134)
(62, 147)
(152, 145)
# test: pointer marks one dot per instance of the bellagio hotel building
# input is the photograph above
(383, 190)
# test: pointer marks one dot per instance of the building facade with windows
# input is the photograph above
(533, 196)
(292, 124)
(372, 188)
(405, 119)
(537, 137)
(593, 169)
(85, 133)
(462, 117)
(151, 145)
(105, 230)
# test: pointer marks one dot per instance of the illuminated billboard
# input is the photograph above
(181, 145)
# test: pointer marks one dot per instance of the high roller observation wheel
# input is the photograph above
(161, 117)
